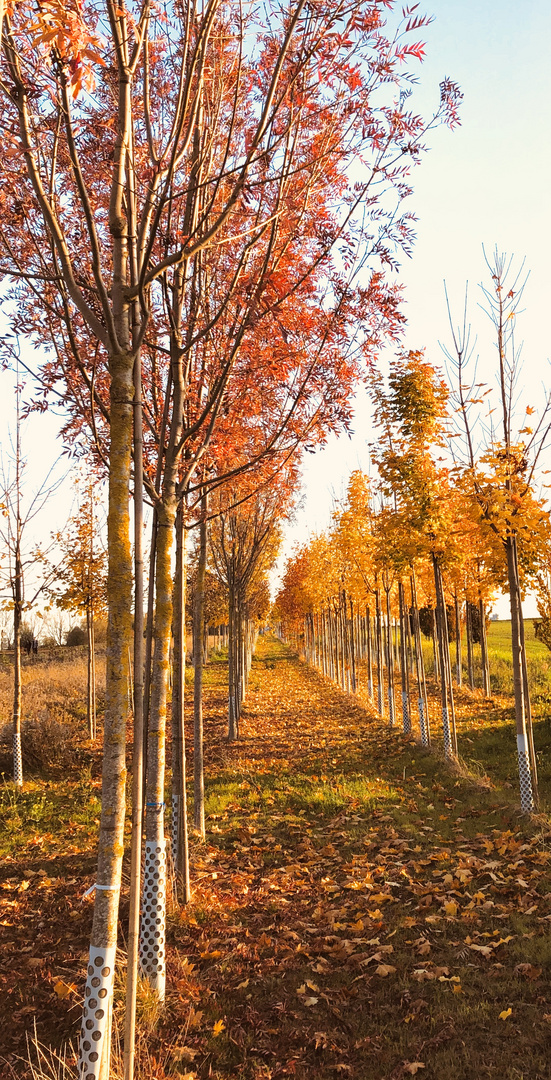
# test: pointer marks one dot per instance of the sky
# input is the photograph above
(486, 183)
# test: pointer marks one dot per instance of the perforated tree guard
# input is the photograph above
(406, 719)
(380, 699)
(17, 759)
(422, 722)
(175, 804)
(152, 930)
(525, 776)
(448, 749)
(98, 996)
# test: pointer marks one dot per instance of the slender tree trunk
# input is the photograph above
(89, 680)
(369, 656)
(469, 631)
(527, 800)
(379, 652)
(435, 650)
(233, 727)
(390, 670)
(198, 619)
(17, 608)
(406, 719)
(152, 935)
(424, 722)
(138, 734)
(484, 649)
(441, 624)
(97, 1017)
(180, 840)
(458, 657)
(352, 648)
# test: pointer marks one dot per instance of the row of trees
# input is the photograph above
(451, 526)
(197, 207)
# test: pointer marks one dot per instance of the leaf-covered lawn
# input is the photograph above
(359, 909)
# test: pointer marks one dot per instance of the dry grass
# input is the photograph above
(53, 708)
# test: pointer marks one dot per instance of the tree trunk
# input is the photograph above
(152, 934)
(435, 649)
(484, 649)
(97, 1017)
(138, 735)
(446, 690)
(379, 651)
(527, 800)
(458, 657)
(198, 619)
(17, 608)
(469, 630)
(352, 648)
(390, 657)
(424, 723)
(180, 841)
(406, 719)
(233, 727)
(90, 719)
(369, 654)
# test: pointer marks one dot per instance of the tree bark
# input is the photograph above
(198, 619)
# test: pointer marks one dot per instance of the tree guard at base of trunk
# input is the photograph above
(17, 760)
(98, 995)
(422, 724)
(174, 827)
(406, 719)
(448, 745)
(152, 931)
(527, 802)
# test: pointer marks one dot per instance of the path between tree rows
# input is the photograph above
(359, 909)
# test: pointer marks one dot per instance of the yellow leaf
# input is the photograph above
(450, 907)
(242, 985)
(412, 1067)
(218, 1027)
(63, 989)
(458, 989)
(375, 914)
(505, 1014)
(385, 969)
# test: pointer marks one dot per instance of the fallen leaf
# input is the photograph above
(218, 1028)
(450, 907)
(63, 989)
(505, 1014)
(385, 969)
(412, 1067)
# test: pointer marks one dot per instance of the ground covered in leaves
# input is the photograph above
(359, 909)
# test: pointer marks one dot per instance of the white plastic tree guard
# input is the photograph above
(98, 997)
(153, 921)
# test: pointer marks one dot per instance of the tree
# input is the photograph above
(18, 513)
(500, 481)
(81, 580)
